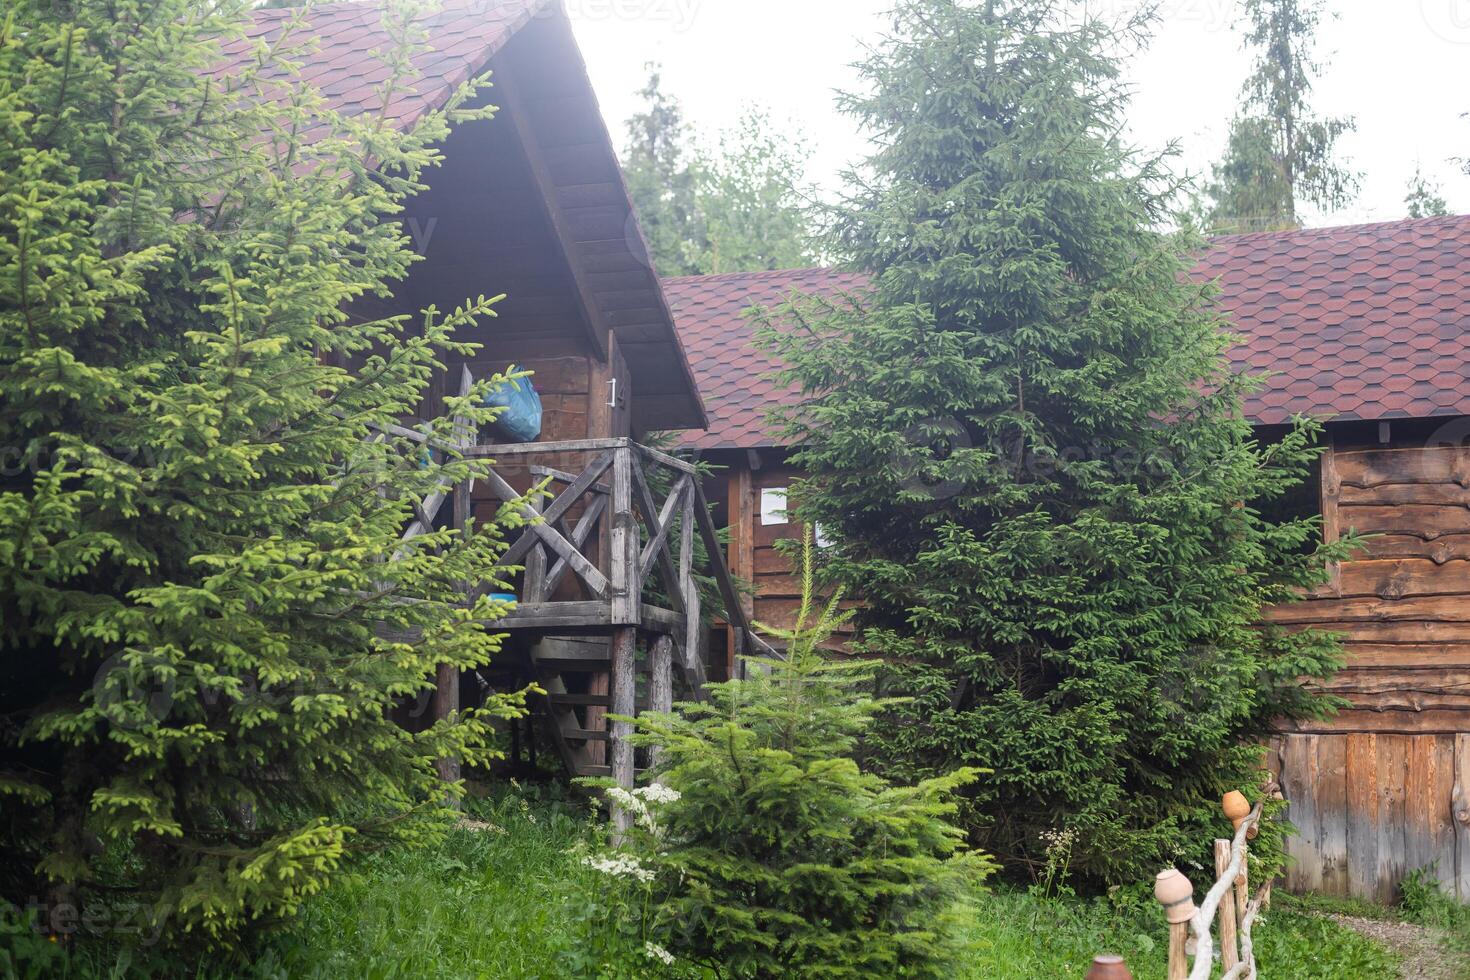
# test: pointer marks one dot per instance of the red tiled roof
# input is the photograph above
(1361, 322)
(733, 376)
(346, 67)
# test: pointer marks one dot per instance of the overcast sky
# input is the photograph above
(1402, 67)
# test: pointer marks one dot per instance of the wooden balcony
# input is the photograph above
(613, 552)
(613, 545)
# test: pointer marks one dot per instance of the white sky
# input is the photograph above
(1402, 67)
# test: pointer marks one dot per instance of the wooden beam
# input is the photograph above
(564, 501)
(446, 705)
(556, 615)
(660, 619)
(1331, 496)
(657, 546)
(579, 537)
(500, 450)
(672, 462)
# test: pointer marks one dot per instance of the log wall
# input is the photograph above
(1381, 789)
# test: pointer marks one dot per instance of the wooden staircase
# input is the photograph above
(575, 672)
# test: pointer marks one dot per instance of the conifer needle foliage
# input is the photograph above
(200, 514)
(1027, 445)
(778, 855)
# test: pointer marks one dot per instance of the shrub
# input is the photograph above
(768, 852)
(199, 545)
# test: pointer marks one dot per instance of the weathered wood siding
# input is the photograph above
(1381, 789)
(1403, 605)
(1370, 807)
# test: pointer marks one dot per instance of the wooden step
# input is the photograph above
(572, 653)
(557, 665)
(591, 700)
(585, 735)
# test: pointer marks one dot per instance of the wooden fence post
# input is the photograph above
(1174, 892)
(1229, 955)
(1225, 899)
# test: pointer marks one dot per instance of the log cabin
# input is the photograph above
(532, 204)
(1366, 328)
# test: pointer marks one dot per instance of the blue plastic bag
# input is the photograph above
(521, 419)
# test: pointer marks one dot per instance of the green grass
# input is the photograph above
(494, 902)
(502, 903)
(1017, 935)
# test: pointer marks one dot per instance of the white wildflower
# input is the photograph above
(634, 805)
(658, 793)
(656, 952)
(619, 866)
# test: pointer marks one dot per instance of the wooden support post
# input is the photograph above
(660, 681)
(624, 546)
(693, 622)
(1228, 920)
(624, 686)
(446, 703)
(1178, 956)
(446, 676)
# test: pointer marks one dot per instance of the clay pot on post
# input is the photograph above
(1176, 895)
(1108, 967)
(1237, 808)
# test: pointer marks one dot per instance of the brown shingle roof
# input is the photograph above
(1360, 322)
(346, 68)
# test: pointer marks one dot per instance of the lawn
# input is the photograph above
(499, 899)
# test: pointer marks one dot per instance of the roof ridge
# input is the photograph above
(335, 6)
(1445, 219)
(761, 274)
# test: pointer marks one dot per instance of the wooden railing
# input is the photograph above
(602, 550)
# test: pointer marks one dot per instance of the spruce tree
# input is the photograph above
(206, 611)
(739, 206)
(770, 852)
(1279, 153)
(1026, 444)
(662, 180)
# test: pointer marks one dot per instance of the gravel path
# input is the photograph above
(1424, 956)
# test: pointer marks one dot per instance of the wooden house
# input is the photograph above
(532, 204)
(1367, 328)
